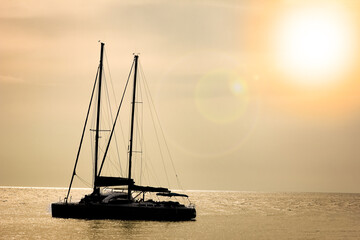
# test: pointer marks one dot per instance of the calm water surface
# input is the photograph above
(25, 214)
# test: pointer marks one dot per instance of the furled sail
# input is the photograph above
(149, 189)
(171, 194)
(102, 181)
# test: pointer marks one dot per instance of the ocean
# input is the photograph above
(25, 214)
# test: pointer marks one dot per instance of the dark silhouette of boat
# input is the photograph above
(120, 204)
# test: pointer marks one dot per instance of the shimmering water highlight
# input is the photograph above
(25, 214)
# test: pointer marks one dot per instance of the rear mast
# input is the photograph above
(132, 124)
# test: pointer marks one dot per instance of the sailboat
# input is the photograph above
(120, 204)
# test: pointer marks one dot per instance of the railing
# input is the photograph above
(191, 205)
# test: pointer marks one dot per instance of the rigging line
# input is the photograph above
(148, 177)
(156, 134)
(138, 139)
(121, 128)
(142, 138)
(109, 110)
(141, 131)
(82, 135)
(162, 131)
(148, 160)
(161, 152)
(122, 134)
(92, 136)
(109, 158)
(114, 167)
(123, 138)
(135, 140)
(111, 117)
(117, 114)
(111, 162)
(111, 81)
(84, 181)
(152, 171)
(128, 144)
(104, 113)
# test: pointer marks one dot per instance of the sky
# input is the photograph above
(252, 95)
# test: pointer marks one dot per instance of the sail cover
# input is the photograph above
(102, 181)
(170, 194)
(149, 189)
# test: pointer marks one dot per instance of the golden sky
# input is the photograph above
(253, 95)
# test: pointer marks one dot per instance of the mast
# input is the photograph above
(96, 190)
(132, 123)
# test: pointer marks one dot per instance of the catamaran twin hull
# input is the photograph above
(128, 211)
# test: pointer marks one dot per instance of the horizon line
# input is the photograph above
(192, 190)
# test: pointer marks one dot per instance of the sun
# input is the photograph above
(313, 44)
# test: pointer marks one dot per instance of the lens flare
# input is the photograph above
(221, 96)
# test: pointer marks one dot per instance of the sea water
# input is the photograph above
(25, 213)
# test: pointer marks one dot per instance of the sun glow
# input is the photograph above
(314, 44)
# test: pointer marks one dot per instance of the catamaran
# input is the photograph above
(130, 203)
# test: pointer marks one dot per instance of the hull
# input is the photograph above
(131, 211)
